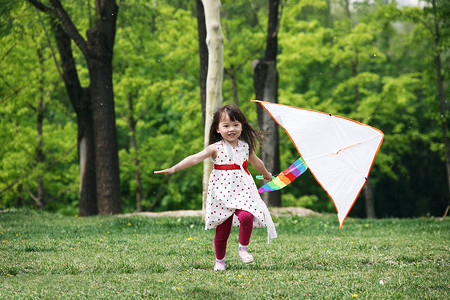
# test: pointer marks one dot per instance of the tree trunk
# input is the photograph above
(40, 158)
(100, 44)
(266, 89)
(356, 86)
(203, 53)
(214, 41)
(98, 52)
(81, 103)
(19, 198)
(369, 201)
(106, 149)
(137, 171)
(86, 153)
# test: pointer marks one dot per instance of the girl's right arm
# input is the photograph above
(191, 160)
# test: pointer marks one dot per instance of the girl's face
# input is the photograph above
(229, 130)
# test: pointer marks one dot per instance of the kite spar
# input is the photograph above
(338, 151)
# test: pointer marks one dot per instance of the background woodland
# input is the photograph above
(373, 61)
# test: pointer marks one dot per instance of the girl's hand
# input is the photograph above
(268, 176)
(166, 171)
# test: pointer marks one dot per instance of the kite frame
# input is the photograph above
(331, 115)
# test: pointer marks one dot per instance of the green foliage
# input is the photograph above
(386, 51)
(48, 256)
(318, 64)
(157, 69)
(27, 58)
(307, 201)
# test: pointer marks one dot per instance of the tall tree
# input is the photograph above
(40, 156)
(203, 54)
(214, 41)
(80, 99)
(94, 105)
(266, 89)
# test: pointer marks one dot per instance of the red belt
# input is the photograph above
(232, 167)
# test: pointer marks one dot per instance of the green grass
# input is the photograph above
(48, 256)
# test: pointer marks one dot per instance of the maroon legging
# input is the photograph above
(224, 229)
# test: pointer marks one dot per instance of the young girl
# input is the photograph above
(232, 198)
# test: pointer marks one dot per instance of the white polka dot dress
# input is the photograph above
(229, 190)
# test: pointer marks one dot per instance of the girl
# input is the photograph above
(232, 195)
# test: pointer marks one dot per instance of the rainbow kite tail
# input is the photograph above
(285, 177)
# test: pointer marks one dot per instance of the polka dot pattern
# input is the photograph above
(229, 190)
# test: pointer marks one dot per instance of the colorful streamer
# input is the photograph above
(285, 177)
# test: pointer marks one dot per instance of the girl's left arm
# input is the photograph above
(259, 166)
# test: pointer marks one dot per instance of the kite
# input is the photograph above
(286, 177)
(338, 151)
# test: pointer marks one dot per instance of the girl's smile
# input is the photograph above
(229, 130)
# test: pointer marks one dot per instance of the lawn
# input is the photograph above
(48, 256)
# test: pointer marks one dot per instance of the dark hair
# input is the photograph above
(248, 134)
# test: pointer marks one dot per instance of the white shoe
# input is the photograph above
(246, 257)
(220, 265)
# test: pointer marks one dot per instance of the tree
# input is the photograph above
(214, 41)
(266, 89)
(94, 105)
(40, 156)
(203, 54)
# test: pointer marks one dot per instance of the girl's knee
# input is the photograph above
(245, 217)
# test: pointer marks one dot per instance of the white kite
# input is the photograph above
(338, 151)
